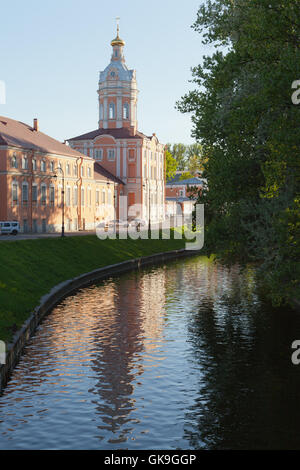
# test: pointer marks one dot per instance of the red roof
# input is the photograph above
(100, 172)
(18, 134)
(121, 133)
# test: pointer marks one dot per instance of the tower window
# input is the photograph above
(112, 111)
(125, 111)
(101, 111)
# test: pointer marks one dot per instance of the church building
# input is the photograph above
(117, 144)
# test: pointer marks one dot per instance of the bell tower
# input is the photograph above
(117, 91)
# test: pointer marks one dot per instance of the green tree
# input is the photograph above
(178, 152)
(171, 166)
(185, 176)
(195, 159)
(243, 115)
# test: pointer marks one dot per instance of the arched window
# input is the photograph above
(14, 161)
(126, 111)
(34, 164)
(111, 110)
(24, 162)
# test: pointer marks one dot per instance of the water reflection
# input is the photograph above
(181, 356)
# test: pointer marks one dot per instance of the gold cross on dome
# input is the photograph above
(118, 24)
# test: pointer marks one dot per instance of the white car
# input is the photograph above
(118, 223)
(9, 227)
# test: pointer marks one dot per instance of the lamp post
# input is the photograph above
(149, 212)
(114, 203)
(62, 201)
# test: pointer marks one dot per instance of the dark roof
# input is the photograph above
(100, 170)
(179, 199)
(121, 133)
(190, 181)
(18, 134)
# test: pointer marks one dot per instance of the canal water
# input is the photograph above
(181, 356)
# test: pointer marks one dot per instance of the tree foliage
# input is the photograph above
(188, 157)
(243, 115)
(171, 165)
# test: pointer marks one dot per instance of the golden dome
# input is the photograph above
(117, 41)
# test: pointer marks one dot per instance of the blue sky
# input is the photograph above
(52, 51)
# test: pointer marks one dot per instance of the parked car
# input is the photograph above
(118, 223)
(9, 227)
(138, 222)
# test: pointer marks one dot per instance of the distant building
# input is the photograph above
(178, 193)
(134, 157)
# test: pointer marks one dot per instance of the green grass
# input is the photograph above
(30, 268)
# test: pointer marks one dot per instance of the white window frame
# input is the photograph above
(111, 155)
(43, 194)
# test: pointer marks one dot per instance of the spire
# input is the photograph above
(118, 41)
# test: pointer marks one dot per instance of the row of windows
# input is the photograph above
(42, 225)
(51, 165)
(98, 154)
(154, 156)
(154, 172)
(25, 194)
(112, 111)
(71, 197)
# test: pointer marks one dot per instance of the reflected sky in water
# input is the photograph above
(180, 356)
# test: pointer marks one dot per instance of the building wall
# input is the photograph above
(140, 164)
(31, 194)
(177, 190)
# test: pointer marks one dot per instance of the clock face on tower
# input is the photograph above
(112, 75)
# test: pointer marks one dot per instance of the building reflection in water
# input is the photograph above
(128, 331)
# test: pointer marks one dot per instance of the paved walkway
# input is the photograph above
(32, 236)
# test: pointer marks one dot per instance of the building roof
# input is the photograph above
(180, 199)
(100, 172)
(18, 134)
(121, 133)
(190, 181)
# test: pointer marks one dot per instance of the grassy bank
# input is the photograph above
(30, 268)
